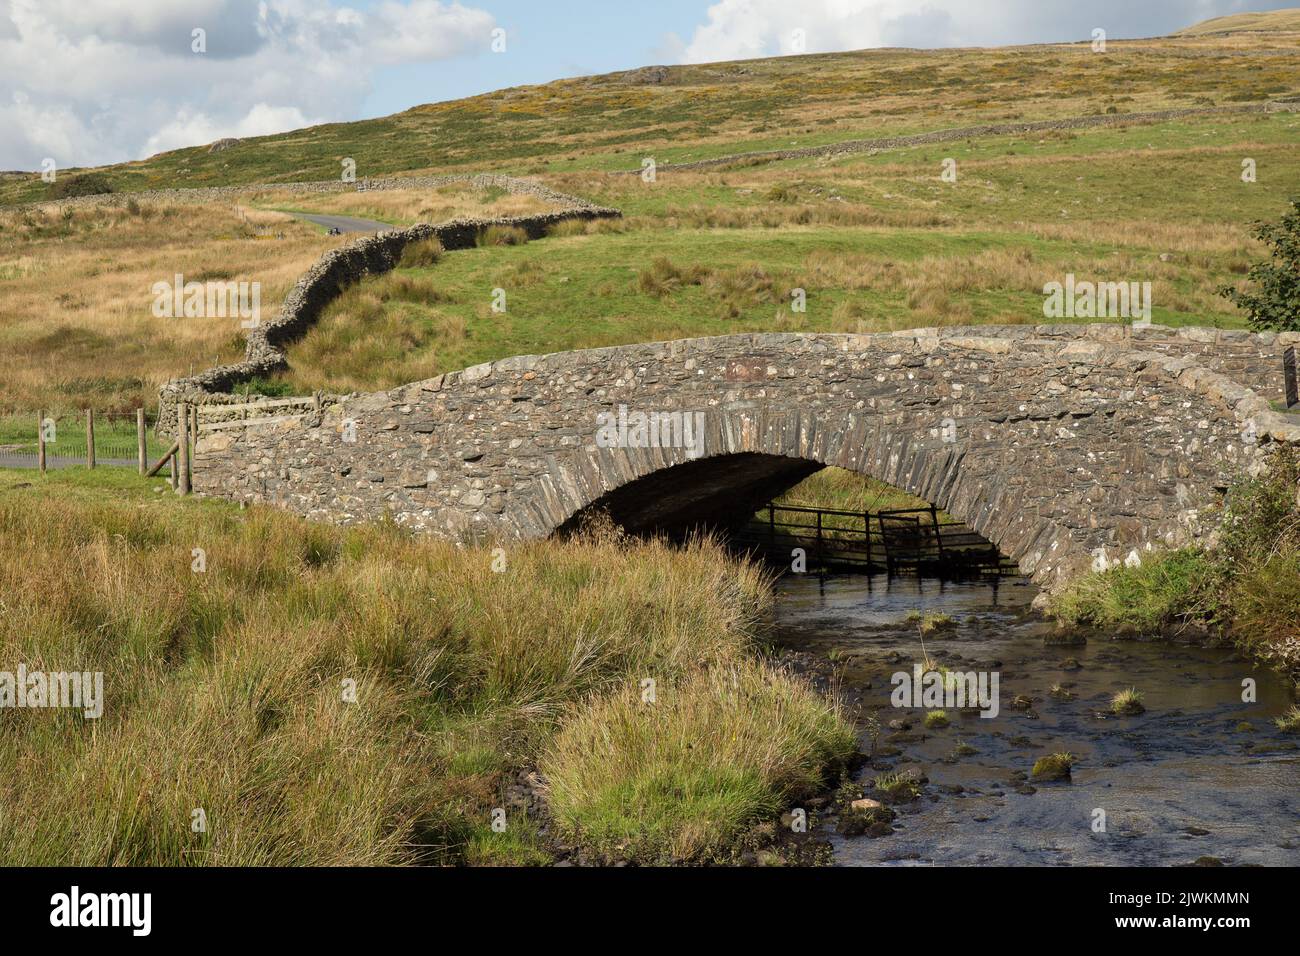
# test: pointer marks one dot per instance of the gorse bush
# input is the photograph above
(86, 184)
(224, 689)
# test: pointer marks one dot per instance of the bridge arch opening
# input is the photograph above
(768, 505)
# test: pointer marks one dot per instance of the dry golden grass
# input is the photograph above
(408, 206)
(76, 322)
(76, 318)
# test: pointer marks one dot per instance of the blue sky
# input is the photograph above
(544, 41)
(86, 82)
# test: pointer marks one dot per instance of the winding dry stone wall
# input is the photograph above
(208, 194)
(1068, 447)
(346, 265)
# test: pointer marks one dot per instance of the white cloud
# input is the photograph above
(97, 81)
(189, 129)
(743, 29)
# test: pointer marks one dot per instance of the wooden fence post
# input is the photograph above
(90, 438)
(866, 525)
(141, 447)
(938, 536)
(168, 455)
(183, 451)
(40, 440)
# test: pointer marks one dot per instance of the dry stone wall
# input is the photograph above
(1067, 447)
(344, 266)
(208, 194)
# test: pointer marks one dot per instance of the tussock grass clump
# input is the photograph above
(663, 277)
(502, 236)
(225, 690)
(931, 621)
(425, 252)
(1127, 702)
(1056, 766)
(679, 778)
(897, 787)
(937, 719)
(1289, 722)
(568, 227)
(740, 288)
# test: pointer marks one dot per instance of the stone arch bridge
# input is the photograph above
(1068, 447)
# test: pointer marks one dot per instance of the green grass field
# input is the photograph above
(876, 243)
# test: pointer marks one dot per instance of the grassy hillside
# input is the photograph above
(689, 112)
(877, 241)
(1273, 21)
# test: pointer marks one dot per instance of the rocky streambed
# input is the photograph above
(1191, 769)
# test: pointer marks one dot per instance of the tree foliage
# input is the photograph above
(1272, 301)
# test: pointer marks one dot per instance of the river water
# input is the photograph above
(1199, 774)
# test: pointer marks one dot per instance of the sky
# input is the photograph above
(89, 82)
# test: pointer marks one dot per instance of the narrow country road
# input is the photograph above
(344, 223)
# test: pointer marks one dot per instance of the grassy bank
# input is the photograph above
(1249, 585)
(226, 689)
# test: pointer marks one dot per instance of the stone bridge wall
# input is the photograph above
(1071, 449)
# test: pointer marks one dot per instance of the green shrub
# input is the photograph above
(1273, 302)
(86, 184)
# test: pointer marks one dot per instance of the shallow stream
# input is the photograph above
(1199, 774)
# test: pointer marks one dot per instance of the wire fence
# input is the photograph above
(66, 439)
